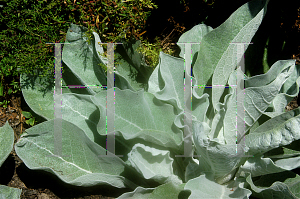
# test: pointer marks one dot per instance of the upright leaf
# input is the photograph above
(217, 57)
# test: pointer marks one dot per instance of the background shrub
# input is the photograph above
(28, 24)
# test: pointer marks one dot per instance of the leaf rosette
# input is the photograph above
(149, 118)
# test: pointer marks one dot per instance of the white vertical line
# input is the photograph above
(110, 99)
(57, 103)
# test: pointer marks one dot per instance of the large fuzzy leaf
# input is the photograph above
(286, 185)
(82, 163)
(86, 61)
(152, 163)
(218, 57)
(7, 141)
(193, 36)
(278, 131)
(167, 190)
(38, 94)
(205, 187)
(257, 99)
(76, 108)
(83, 59)
(142, 117)
(9, 192)
(220, 159)
(166, 81)
(259, 166)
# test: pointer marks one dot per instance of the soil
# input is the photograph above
(41, 185)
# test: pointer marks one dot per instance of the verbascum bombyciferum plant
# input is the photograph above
(149, 119)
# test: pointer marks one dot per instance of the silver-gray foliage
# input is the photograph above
(149, 119)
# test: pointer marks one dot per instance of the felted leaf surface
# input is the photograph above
(193, 36)
(82, 57)
(203, 187)
(76, 108)
(259, 166)
(282, 185)
(166, 81)
(168, 190)
(82, 163)
(278, 131)
(220, 159)
(9, 192)
(256, 101)
(7, 142)
(86, 61)
(217, 56)
(151, 163)
(139, 114)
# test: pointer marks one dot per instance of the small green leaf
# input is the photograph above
(10, 91)
(26, 114)
(31, 121)
(1, 90)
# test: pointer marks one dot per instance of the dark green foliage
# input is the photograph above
(26, 25)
